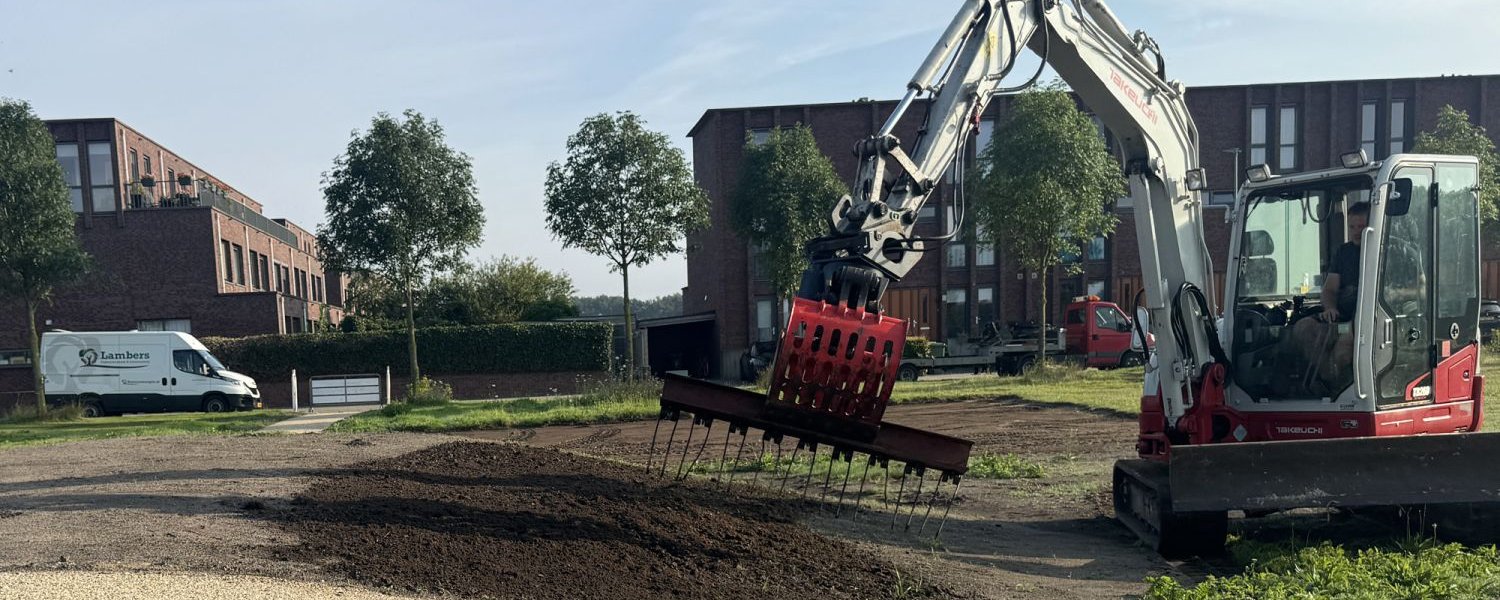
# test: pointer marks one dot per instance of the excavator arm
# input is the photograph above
(1122, 78)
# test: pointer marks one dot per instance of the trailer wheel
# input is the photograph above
(1024, 364)
(215, 404)
(908, 373)
(1132, 358)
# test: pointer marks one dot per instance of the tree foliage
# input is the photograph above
(623, 193)
(401, 205)
(787, 188)
(1456, 134)
(669, 305)
(1045, 182)
(38, 247)
(488, 292)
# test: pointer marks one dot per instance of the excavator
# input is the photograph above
(1366, 393)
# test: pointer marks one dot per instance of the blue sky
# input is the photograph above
(265, 94)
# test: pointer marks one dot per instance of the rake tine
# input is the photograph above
(957, 481)
(744, 433)
(848, 466)
(688, 444)
(885, 484)
(790, 462)
(708, 428)
(896, 514)
(651, 454)
(725, 455)
(811, 466)
(921, 478)
(936, 492)
(833, 457)
(755, 473)
(666, 454)
(859, 497)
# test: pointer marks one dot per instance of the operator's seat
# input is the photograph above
(1258, 273)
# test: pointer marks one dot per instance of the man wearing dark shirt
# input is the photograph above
(1341, 283)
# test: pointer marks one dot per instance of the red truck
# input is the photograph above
(1094, 333)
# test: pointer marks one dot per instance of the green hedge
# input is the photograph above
(512, 348)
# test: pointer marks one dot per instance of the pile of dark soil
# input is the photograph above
(512, 521)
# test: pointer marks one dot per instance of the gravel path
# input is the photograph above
(84, 585)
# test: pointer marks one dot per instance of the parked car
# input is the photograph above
(140, 371)
(1489, 319)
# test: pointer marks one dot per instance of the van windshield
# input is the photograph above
(212, 362)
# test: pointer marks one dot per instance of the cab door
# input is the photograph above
(1403, 368)
(1110, 338)
(1456, 289)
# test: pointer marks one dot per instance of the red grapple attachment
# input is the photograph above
(837, 365)
(829, 388)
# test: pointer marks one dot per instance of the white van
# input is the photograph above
(117, 372)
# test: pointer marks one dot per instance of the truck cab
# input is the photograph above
(1100, 334)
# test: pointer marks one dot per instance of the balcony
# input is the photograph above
(212, 198)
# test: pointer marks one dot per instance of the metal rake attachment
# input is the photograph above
(821, 452)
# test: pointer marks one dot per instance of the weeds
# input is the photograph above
(29, 413)
(1004, 466)
(601, 402)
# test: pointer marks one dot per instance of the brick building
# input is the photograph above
(952, 294)
(173, 248)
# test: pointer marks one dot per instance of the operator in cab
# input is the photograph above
(1324, 339)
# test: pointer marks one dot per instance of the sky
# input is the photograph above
(265, 94)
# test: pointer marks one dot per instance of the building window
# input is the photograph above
(172, 181)
(756, 136)
(182, 325)
(265, 272)
(956, 319)
(102, 176)
(984, 254)
(254, 270)
(148, 164)
(1259, 132)
(1096, 287)
(1096, 249)
(985, 300)
(317, 288)
(1398, 126)
(982, 139)
(765, 320)
(1367, 129)
(15, 358)
(958, 254)
(239, 264)
(1287, 160)
(228, 261)
(67, 156)
(928, 212)
(1221, 199)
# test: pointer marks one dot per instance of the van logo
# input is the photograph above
(123, 360)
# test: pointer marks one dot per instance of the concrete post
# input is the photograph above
(294, 390)
(387, 384)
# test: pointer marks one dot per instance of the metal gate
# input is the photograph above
(345, 389)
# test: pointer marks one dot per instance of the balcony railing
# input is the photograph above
(208, 197)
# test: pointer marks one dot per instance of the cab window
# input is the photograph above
(189, 361)
(1106, 317)
(1075, 317)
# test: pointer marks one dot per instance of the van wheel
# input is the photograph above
(92, 408)
(1132, 359)
(215, 404)
(908, 373)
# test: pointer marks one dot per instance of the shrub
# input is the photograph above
(428, 392)
(1328, 571)
(1004, 466)
(917, 347)
(510, 348)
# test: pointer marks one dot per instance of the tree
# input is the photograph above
(1044, 185)
(501, 290)
(38, 247)
(1455, 134)
(669, 305)
(401, 205)
(786, 188)
(624, 193)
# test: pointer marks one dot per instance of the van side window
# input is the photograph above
(189, 361)
(1106, 317)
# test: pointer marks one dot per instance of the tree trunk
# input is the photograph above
(36, 357)
(1044, 332)
(629, 329)
(411, 335)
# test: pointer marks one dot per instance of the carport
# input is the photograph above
(685, 343)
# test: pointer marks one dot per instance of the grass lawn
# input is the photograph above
(18, 434)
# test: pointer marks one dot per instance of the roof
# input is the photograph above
(707, 113)
(675, 320)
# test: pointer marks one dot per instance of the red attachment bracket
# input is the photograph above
(837, 361)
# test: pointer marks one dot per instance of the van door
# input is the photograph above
(1110, 337)
(190, 379)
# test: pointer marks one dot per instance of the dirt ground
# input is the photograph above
(1052, 538)
(412, 514)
